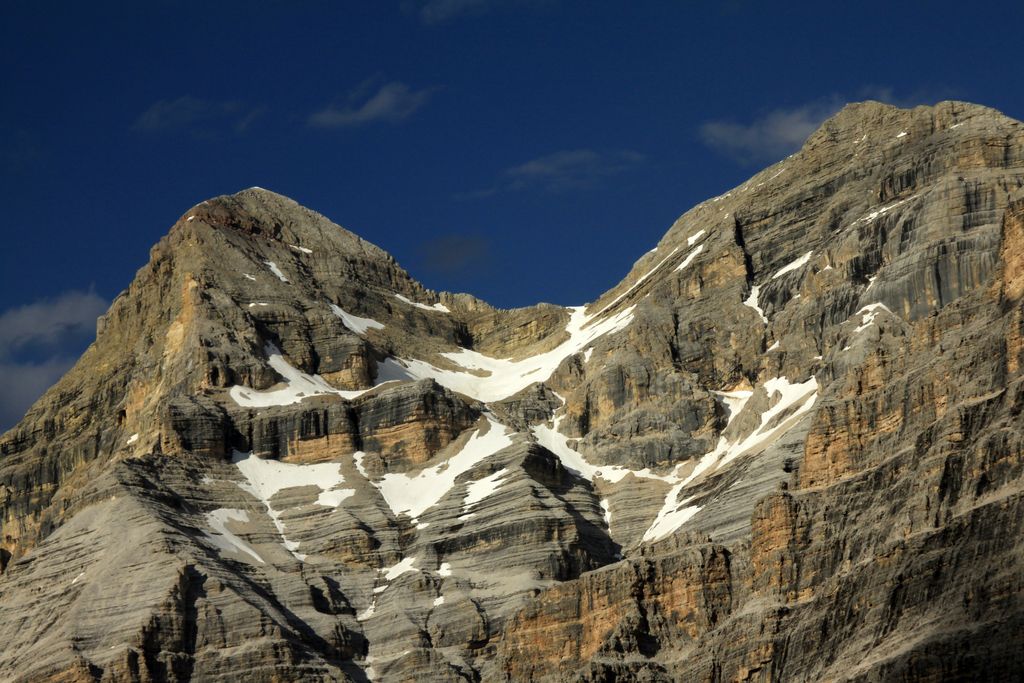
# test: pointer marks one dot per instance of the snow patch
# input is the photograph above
(883, 210)
(752, 301)
(249, 277)
(393, 572)
(435, 307)
(502, 378)
(695, 236)
(299, 386)
(265, 478)
(901, 134)
(132, 439)
(276, 271)
(438, 601)
(556, 442)
(357, 458)
(671, 518)
(304, 250)
(734, 401)
(225, 540)
(790, 395)
(689, 257)
(675, 513)
(355, 323)
(607, 512)
(636, 284)
(868, 314)
(412, 495)
(799, 263)
(335, 497)
(477, 490)
(444, 570)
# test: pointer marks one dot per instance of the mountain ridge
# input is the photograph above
(681, 454)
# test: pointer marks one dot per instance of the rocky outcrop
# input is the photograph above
(785, 447)
(629, 611)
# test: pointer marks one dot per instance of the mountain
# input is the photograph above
(786, 446)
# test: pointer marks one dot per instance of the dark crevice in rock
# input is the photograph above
(748, 263)
(673, 344)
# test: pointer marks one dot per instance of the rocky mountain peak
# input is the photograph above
(261, 213)
(788, 432)
(855, 120)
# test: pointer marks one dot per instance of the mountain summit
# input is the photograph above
(786, 446)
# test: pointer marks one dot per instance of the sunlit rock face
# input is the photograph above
(786, 446)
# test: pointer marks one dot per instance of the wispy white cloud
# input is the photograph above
(391, 102)
(779, 132)
(49, 321)
(188, 112)
(39, 343)
(564, 170)
(770, 136)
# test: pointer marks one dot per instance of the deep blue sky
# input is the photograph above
(521, 150)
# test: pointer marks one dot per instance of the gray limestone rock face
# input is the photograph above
(786, 446)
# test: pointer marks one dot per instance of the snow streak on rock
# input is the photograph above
(412, 495)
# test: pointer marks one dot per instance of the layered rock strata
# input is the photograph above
(787, 446)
